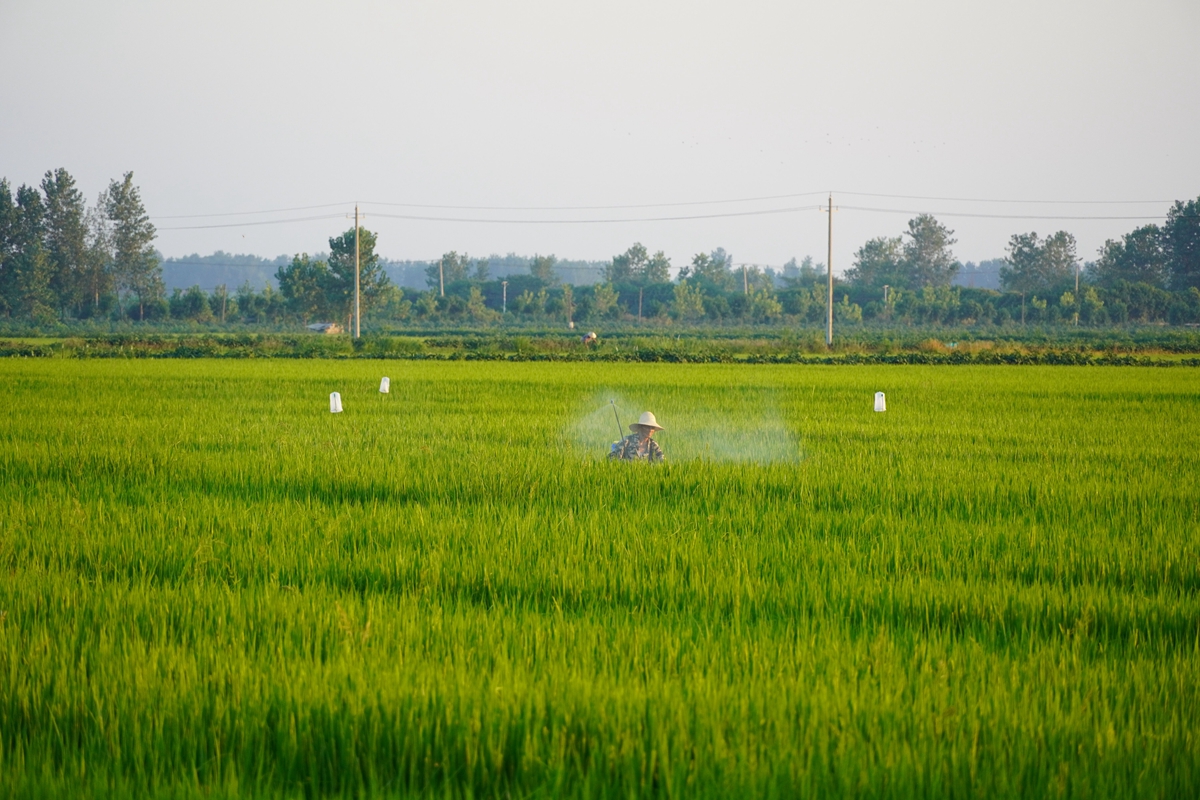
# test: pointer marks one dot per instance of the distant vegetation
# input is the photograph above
(64, 266)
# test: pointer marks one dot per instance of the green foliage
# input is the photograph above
(921, 257)
(1039, 265)
(135, 263)
(542, 268)
(1181, 242)
(213, 587)
(1139, 257)
(637, 266)
(304, 284)
(689, 302)
(66, 239)
(339, 288)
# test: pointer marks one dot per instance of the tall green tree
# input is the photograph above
(627, 266)
(10, 217)
(636, 265)
(542, 268)
(66, 238)
(1181, 241)
(1137, 257)
(31, 267)
(878, 263)
(136, 265)
(1036, 265)
(453, 267)
(928, 259)
(372, 279)
(304, 285)
(96, 272)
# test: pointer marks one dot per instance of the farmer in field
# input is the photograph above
(639, 445)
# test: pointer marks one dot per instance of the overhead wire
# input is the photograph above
(671, 218)
(997, 216)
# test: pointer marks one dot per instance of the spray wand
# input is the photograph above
(620, 427)
(616, 446)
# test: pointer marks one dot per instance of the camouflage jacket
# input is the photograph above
(635, 447)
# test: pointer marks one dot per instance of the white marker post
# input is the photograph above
(880, 402)
(385, 386)
(335, 403)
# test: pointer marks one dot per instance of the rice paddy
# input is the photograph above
(211, 586)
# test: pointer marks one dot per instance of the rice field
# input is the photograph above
(210, 586)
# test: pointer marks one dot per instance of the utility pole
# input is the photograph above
(504, 297)
(357, 307)
(442, 276)
(829, 266)
(224, 297)
(745, 281)
(640, 288)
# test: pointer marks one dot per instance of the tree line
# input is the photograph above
(62, 259)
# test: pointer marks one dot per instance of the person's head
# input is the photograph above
(646, 425)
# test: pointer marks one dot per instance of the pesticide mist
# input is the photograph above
(740, 427)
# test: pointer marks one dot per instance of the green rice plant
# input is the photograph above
(211, 586)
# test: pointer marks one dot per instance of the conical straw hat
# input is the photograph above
(647, 419)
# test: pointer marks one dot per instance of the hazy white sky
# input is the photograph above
(224, 107)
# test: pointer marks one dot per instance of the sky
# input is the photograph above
(235, 108)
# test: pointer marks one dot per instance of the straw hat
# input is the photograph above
(647, 420)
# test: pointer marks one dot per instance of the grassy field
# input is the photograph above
(211, 586)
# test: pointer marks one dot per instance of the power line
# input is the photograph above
(248, 213)
(596, 221)
(984, 200)
(599, 208)
(760, 198)
(248, 224)
(995, 216)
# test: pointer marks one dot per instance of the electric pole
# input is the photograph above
(829, 266)
(357, 307)
(442, 276)
(745, 281)
(503, 297)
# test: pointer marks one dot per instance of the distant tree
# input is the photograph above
(135, 263)
(96, 272)
(657, 269)
(451, 268)
(192, 304)
(1181, 241)
(542, 268)
(1138, 257)
(604, 300)
(689, 301)
(711, 272)
(928, 260)
(304, 285)
(568, 302)
(32, 296)
(372, 282)
(803, 274)
(9, 248)
(481, 270)
(878, 263)
(627, 266)
(66, 239)
(477, 310)
(1039, 265)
